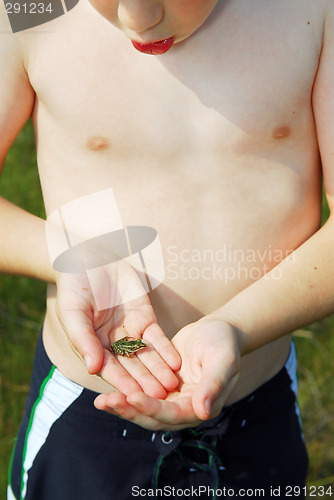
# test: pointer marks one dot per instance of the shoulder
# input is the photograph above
(11, 53)
(16, 93)
(329, 7)
(329, 19)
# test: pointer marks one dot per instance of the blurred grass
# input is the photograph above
(22, 303)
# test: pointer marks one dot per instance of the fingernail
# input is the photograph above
(208, 406)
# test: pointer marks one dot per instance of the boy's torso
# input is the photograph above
(213, 144)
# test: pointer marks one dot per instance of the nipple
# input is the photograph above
(281, 132)
(97, 143)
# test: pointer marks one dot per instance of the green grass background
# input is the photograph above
(22, 305)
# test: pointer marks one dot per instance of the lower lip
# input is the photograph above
(154, 49)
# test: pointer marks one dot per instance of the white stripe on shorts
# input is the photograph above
(57, 393)
(10, 494)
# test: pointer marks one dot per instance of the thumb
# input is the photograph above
(212, 391)
(83, 339)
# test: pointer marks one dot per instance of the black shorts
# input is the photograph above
(66, 449)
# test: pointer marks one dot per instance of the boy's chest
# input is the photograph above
(245, 78)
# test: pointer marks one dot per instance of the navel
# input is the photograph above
(97, 143)
(281, 132)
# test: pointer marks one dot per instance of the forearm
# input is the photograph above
(23, 249)
(299, 291)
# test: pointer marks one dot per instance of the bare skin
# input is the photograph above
(213, 144)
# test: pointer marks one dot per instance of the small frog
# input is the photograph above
(126, 347)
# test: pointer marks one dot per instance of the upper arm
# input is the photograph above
(16, 94)
(323, 104)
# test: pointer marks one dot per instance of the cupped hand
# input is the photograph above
(210, 368)
(91, 333)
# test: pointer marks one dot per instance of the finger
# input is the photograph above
(112, 402)
(177, 414)
(155, 376)
(139, 372)
(116, 375)
(213, 389)
(81, 334)
(116, 404)
(158, 368)
(163, 346)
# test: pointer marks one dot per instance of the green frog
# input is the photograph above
(126, 347)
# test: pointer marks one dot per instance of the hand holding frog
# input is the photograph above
(210, 367)
(92, 332)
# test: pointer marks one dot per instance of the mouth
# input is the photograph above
(154, 48)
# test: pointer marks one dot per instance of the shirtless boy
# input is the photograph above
(214, 143)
